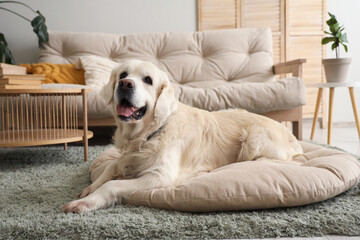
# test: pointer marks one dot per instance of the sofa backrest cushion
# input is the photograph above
(195, 59)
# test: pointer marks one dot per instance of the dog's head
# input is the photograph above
(137, 90)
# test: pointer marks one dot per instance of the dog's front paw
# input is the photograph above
(79, 206)
(86, 191)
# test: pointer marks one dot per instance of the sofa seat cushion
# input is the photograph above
(284, 94)
(320, 173)
(287, 93)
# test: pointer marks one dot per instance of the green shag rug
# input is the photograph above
(36, 182)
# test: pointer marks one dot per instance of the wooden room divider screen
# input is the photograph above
(297, 28)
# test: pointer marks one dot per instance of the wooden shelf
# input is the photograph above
(42, 91)
(41, 137)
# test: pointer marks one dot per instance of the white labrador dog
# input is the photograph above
(162, 141)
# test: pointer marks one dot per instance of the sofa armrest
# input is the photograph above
(294, 67)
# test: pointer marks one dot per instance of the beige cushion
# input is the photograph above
(246, 97)
(97, 70)
(206, 68)
(318, 174)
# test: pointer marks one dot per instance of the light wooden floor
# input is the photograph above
(344, 136)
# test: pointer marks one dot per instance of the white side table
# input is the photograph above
(332, 86)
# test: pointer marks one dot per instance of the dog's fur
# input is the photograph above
(173, 142)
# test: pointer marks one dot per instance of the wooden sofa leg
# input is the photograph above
(297, 129)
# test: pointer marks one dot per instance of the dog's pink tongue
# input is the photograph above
(125, 111)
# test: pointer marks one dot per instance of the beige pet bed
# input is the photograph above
(317, 175)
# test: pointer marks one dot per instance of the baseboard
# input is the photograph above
(308, 121)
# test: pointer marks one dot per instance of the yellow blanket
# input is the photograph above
(57, 73)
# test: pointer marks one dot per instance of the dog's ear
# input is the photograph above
(166, 102)
(107, 91)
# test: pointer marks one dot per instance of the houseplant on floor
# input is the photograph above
(335, 68)
(39, 27)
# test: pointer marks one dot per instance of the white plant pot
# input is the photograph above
(336, 69)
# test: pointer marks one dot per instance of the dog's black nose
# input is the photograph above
(126, 84)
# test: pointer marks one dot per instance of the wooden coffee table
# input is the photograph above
(34, 117)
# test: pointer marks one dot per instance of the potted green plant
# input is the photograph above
(335, 68)
(39, 27)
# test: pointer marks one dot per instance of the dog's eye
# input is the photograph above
(148, 80)
(123, 75)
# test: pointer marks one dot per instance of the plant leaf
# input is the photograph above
(334, 45)
(345, 47)
(343, 38)
(8, 56)
(2, 51)
(338, 35)
(326, 40)
(329, 33)
(332, 20)
(39, 27)
(334, 28)
(2, 39)
(331, 15)
(5, 51)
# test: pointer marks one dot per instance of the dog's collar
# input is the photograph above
(155, 132)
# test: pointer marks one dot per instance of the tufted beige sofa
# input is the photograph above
(211, 70)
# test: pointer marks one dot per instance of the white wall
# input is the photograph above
(347, 14)
(107, 16)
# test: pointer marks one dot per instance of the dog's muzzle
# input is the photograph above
(126, 110)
